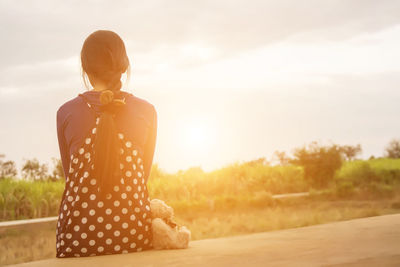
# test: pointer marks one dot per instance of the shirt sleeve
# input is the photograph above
(150, 146)
(62, 143)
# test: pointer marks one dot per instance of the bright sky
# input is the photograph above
(230, 80)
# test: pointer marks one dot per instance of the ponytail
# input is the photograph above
(106, 144)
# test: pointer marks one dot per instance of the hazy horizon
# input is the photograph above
(230, 81)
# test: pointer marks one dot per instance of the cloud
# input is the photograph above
(41, 74)
(321, 69)
(36, 31)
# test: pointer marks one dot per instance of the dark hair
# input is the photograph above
(104, 57)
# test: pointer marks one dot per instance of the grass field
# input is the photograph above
(21, 199)
(246, 183)
(230, 201)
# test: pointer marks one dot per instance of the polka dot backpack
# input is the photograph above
(90, 225)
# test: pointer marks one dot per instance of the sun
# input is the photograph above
(197, 136)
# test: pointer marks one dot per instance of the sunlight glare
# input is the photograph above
(197, 137)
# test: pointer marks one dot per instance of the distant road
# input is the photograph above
(21, 223)
(373, 241)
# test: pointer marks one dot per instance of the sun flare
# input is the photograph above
(197, 136)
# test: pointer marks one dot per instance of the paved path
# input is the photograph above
(373, 241)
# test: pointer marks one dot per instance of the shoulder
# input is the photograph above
(141, 104)
(68, 106)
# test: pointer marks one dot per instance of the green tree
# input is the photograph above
(33, 170)
(392, 150)
(259, 161)
(281, 157)
(7, 168)
(351, 152)
(58, 171)
(319, 162)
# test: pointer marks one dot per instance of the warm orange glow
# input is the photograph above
(197, 136)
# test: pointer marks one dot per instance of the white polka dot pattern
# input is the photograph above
(89, 224)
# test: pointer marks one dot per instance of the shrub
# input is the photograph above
(319, 162)
(345, 189)
(376, 190)
(358, 173)
(361, 173)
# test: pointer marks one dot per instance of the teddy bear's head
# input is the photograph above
(161, 210)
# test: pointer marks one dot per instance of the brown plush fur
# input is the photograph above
(166, 233)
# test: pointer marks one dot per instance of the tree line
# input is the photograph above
(31, 169)
(319, 162)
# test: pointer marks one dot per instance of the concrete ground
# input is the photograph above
(373, 241)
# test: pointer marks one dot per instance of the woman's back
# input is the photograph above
(91, 223)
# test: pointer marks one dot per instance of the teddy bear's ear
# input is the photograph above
(161, 210)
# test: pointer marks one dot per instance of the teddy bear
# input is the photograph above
(166, 233)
